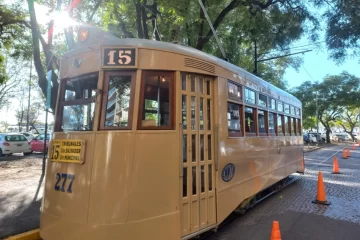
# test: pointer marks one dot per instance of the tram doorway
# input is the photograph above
(198, 209)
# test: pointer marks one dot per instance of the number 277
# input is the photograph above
(64, 177)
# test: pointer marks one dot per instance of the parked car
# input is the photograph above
(14, 143)
(29, 136)
(306, 138)
(37, 144)
(342, 137)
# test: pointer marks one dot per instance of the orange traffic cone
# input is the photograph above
(353, 147)
(275, 231)
(321, 196)
(336, 166)
(344, 153)
(359, 144)
(348, 152)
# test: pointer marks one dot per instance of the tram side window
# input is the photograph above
(234, 114)
(280, 120)
(250, 120)
(262, 100)
(77, 104)
(287, 108)
(299, 127)
(117, 100)
(280, 106)
(249, 96)
(156, 101)
(272, 122)
(293, 125)
(262, 122)
(234, 91)
(272, 103)
(286, 124)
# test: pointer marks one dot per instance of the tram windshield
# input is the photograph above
(77, 104)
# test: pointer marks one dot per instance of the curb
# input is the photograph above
(314, 149)
(30, 235)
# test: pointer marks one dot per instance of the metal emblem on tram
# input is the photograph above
(228, 172)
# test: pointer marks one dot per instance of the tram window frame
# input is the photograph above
(275, 124)
(297, 111)
(232, 85)
(231, 133)
(254, 113)
(145, 75)
(265, 121)
(105, 100)
(62, 102)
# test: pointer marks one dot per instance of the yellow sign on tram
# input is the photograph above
(67, 150)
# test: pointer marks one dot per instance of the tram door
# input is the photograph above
(198, 209)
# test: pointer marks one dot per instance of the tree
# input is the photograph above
(343, 28)
(11, 71)
(349, 120)
(329, 98)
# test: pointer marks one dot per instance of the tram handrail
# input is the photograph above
(182, 149)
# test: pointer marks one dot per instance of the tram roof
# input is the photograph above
(101, 38)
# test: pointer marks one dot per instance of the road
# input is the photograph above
(298, 217)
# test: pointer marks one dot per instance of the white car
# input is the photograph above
(14, 143)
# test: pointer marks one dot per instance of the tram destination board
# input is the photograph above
(67, 150)
(119, 57)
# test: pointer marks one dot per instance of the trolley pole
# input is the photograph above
(255, 59)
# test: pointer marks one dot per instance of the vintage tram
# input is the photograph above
(156, 140)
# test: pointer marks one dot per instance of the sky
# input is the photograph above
(316, 64)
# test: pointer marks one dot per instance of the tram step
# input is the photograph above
(30, 235)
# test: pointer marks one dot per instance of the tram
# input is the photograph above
(155, 140)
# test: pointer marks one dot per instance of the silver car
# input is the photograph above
(14, 143)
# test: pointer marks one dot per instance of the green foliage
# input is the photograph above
(330, 98)
(343, 29)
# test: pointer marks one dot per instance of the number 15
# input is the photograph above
(123, 55)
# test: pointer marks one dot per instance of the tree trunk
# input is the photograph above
(42, 81)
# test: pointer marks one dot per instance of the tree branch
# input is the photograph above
(144, 20)
(95, 9)
(138, 19)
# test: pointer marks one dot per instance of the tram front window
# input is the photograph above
(77, 103)
(156, 101)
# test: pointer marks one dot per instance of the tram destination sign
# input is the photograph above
(119, 57)
(67, 150)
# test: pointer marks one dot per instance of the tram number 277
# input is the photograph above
(61, 179)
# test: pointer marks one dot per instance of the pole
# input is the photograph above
(255, 59)
(45, 138)
(28, 109)
(317, 120)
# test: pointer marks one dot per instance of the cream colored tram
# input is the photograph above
(156, 140)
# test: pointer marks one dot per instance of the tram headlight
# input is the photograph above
(83, 34)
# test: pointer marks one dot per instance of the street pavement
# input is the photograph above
(20, 194)
(298, 217)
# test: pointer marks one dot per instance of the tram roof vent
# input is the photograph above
(189, 62)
